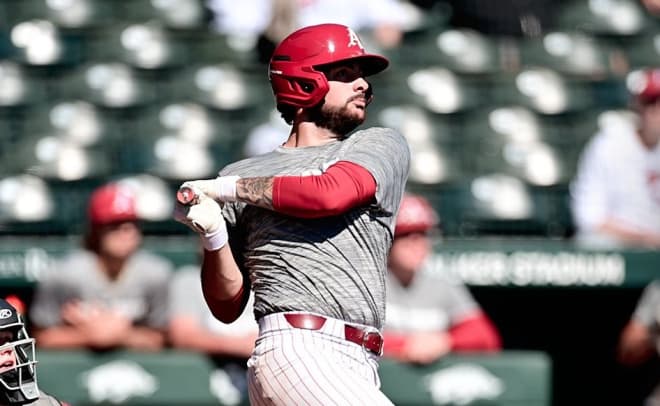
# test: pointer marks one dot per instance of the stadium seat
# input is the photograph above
(51, 157)
(435, 153)
(175, 14)
(76, 121)
(460, 50)
(17, 87)
(70, 15)
(435, 88)
(544, 90)
(519, 142)
(27, 204)
(112, 85)
(494, 204)
(223, 87)
(570, 53)
(141, 45)
(602, 17)
(643, 51)
(40, 43)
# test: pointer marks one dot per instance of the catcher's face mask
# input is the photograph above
(18, 380)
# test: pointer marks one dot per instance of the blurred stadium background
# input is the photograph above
(145, 91)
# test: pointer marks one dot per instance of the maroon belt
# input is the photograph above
(371, 340)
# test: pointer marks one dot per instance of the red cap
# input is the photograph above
(112, 203)
(415, 215)
(645, 85)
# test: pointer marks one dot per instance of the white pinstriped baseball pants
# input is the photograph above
(292, 366)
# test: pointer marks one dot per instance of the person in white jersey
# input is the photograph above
(429, 314)
(308, 228)
(615, 196)
(110, 295)
(639, 341)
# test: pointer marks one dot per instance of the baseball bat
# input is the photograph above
(187, 196)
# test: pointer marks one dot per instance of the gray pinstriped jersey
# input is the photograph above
(334, 266)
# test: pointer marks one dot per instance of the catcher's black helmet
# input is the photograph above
(18, 379)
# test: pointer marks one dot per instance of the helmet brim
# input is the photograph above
(371, 64)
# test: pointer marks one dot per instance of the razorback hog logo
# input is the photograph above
(353, 39)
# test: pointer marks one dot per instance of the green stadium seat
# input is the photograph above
(460, 50)
(25, 198)
(18, 88)
(175, 14)
(494, 204)
(543, 90)
(435, 88)
(517, 141)
(112, 85)
(69, 15)
(643, 51)
(603, 17)
(224, 87)
(73, 120)
(435, 152)
(570, 53)
(147, 46)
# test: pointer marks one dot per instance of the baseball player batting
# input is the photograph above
(308, 228)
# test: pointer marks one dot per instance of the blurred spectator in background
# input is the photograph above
(616, 192)
(193, 327)
(428, 315)
(272, 20)
(111, 294)
(640, 338)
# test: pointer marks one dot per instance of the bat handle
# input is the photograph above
(187, 196)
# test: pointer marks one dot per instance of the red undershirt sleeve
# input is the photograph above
(475, 334)
(343, 186)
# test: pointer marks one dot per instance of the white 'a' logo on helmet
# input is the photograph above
(353, 39)
(5, 314)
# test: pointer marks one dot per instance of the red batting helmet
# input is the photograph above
(293, 70)
(112, 203)
(415, 215)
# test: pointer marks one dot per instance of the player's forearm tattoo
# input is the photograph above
(255, 191)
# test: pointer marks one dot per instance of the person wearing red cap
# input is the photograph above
(307, 227)
(111, 294)
(428, 314)
(615, 195)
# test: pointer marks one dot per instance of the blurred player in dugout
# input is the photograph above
(111, 294)
(428, 314)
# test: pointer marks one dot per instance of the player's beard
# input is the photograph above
(339, 120)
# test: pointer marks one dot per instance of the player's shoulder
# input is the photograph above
(379, 137)
(378, 132)
(48, 400)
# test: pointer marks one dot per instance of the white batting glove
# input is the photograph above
(205, 218)
(222, 188)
